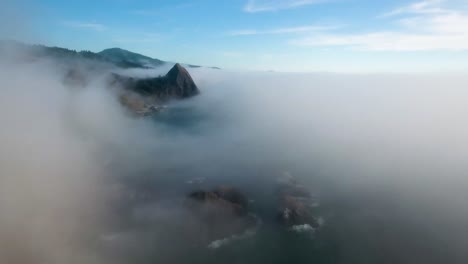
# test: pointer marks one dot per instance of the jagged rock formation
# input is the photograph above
(146, 96)
(177, 84)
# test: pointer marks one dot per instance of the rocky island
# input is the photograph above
(147, 95)
(223, 213)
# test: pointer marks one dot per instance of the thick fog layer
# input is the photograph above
(389, 150)
(57, 143)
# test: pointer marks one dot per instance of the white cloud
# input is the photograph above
(287, 30)
(390, 41)
(428, 27)
(255, 6)
(423, 7)
(85, 25)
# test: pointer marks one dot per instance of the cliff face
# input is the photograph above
(176, 84)
(179, 81)
(146, 96)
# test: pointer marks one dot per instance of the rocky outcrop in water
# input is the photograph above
(145, 96)
(226, 198)
(176, 84)
(296, 204)
(179, 83)
(222, 212)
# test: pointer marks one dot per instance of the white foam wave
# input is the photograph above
(228, 240)
(305, 228)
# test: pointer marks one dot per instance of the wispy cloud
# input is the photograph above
(255, 6)
(426, 26)
(85, 25)
(286, 30)
(390, 41)
(423, 7)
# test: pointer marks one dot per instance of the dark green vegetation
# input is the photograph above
(128, 58)
(119, 57)
(115, 56)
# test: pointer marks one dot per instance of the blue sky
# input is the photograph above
(281, 35)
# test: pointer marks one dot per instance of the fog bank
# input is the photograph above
(384, 152)
(57, 145)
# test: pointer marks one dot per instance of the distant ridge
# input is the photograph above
(121, 56)
(115, 56)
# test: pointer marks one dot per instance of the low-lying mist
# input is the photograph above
(57, 143)
(386, 154)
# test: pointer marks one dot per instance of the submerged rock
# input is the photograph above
(296, 205)
(233, 196)
(224, 198)
(295, 211)
(222, 212)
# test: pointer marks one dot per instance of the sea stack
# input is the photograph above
(180, 83)
(147, 95)
(176, 84)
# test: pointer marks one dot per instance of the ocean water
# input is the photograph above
(385, 165)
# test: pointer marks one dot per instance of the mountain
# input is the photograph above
(124, 57)
(113, 56)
